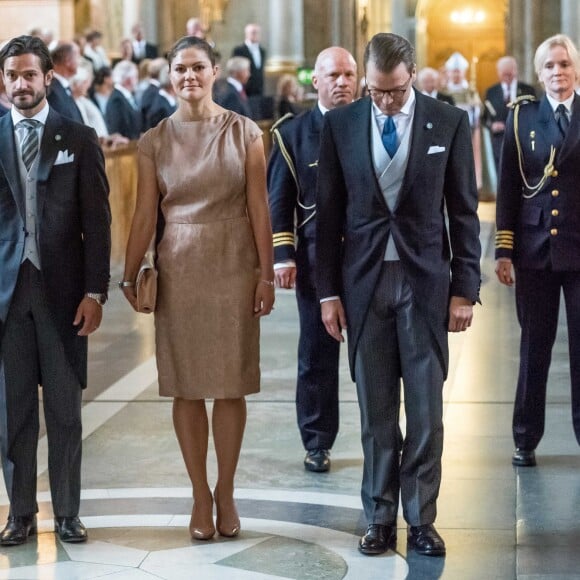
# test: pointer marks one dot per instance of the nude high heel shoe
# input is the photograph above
(227, 524)
(201, 532)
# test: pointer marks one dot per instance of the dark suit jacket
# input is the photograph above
(255, 84)
(159, 109)
(499, 110)
(352, 214)
(543, 231)
(147, 98)
(62, 102)
(121, 117)
(301, 140)
(151, 52)
(228, 97)
(73, 228)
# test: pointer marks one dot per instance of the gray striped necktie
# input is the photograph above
(30, 142)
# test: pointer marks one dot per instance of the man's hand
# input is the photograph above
(504, 271)
(333, 318)
(90, 314)
(498, 127)
(460, 314)
(285, 277)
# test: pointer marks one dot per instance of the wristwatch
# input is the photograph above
(99, 298)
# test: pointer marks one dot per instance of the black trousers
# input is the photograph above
(538, 304)
(318, 357)
(32, 355)
(397, 342)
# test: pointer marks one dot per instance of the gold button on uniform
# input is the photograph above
(554, 231)
(555, 173)
(555, 193)
(555, 212)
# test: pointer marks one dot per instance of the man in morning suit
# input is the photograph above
(538, 234)
(54, 274)
(65, 60)
(232, 94)
(292, 176)
(497, 98)
(256, 54)
(391, 271)
(122, 114)
(141, 48)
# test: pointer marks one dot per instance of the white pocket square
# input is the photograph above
(435, 149)
(64, 157)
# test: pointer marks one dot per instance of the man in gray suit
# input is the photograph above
(54, 273)
(390, 165)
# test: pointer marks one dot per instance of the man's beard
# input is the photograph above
(26, 105)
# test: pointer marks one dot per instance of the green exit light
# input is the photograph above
(305, 76)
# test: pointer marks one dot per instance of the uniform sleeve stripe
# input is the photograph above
(504, 240)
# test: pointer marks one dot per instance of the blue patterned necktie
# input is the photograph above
(389, 137)
(30, 142)
(562, 119)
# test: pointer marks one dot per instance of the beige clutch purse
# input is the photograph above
(146, 285)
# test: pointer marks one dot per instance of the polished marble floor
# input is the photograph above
(499, 522)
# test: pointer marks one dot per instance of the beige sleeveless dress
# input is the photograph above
(207, 339)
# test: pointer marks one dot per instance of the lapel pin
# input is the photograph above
(57, 137)
(429, 125)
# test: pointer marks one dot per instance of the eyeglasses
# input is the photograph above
(394, 94)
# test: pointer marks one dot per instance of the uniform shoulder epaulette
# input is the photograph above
(522, 100)
(281, 120)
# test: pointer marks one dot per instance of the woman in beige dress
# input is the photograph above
(204, 167)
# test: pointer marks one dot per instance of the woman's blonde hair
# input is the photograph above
(543, 51)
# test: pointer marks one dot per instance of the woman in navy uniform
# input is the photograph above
(538, 234)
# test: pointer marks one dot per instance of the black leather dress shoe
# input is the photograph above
(317, 460)
(523, 458)
(425, 540)
(17, 530)
(378, 539)
(70, 529)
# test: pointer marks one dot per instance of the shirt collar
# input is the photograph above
(126, 93)
(252, 45)
(236, 83)
(62, 80)
(567, 103)
(322, 108)
(41, 116)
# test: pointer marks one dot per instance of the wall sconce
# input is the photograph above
(467, 16)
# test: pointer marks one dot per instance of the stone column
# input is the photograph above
(524, 31)
(149, 19)
(399, 17)
(143, 11)
(131, 15)
(570, 18)
(286, 36)
(343, 24)
(530, 22)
